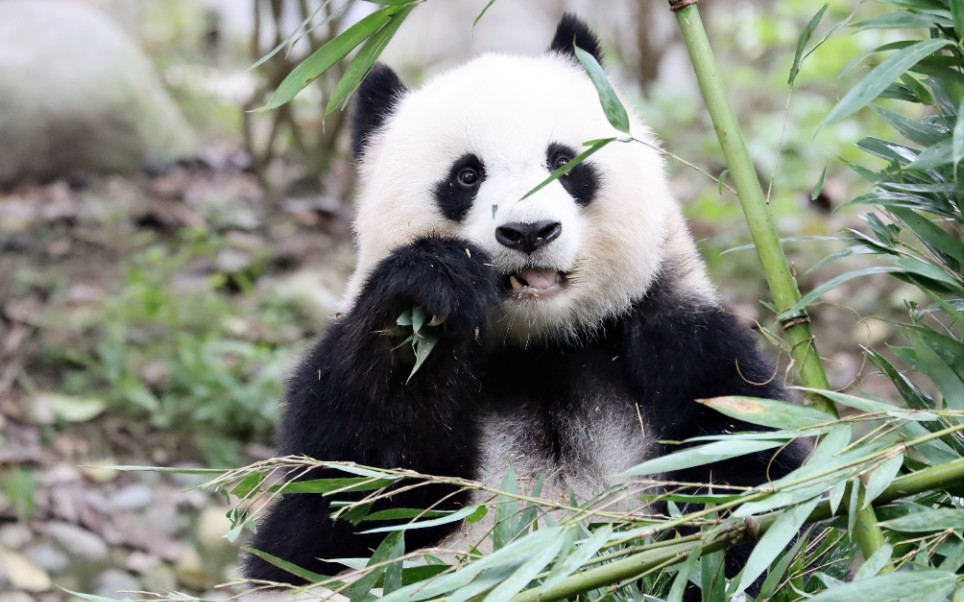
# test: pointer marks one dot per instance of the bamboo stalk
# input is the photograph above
(783, 285)
(928, 479)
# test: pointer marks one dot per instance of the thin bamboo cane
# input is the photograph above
(782, 284)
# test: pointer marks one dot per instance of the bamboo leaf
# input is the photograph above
(93, 598)
(340, 484)
(882, 477)
(779, 569)
(835, 496)
(925, 521)
(872, 565)
(577, 559)
(768, 412)
(322, 59)
(578, 159)
(418, 319)
(289, 567)
(895, 587)
(871, 405)
(485, 9)
(391, 548)
(682, 578)
(425, 524)
(957, 11)
(292, 39)
(958, 147)
(833, 283)
(612, 106)
(881, 77)
(423, 345)
(365, 60)
(818, 189)
(529, 569)
(802, 42)
(936, 155)
(774, 541)
(700, 456)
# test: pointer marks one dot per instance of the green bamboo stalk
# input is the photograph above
(782, 284)
(928, 479)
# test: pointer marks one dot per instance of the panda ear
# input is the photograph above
(375, 99)
(573, 31)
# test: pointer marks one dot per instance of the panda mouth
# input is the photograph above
(535, 282)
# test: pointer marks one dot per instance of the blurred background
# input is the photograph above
(165, 253)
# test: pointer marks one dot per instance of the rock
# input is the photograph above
(132, 497)
(160, 579)
(190, 571)
(141, 563)
(162, 516)
(104, 109)
(116, 584)
(23, 573)
(77, 541)
(49, 557)
(15, 536)
(211, 527)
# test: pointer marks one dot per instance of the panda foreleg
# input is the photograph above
(351, 399)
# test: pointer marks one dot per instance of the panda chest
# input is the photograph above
(568, 417)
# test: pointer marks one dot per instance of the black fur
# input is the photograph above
(454, 199)
(582, 181)
(573, 31)
(348, 400)
(375, 100)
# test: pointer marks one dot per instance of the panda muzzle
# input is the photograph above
(535, 281)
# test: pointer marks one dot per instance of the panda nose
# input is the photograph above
(528, 237)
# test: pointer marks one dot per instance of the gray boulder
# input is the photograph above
(78, 94)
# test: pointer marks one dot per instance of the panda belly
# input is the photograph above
(576, 444)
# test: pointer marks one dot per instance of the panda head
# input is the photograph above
(456, 157)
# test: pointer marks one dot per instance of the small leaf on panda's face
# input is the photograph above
(495, 208)
(405, 318)
(612, 106)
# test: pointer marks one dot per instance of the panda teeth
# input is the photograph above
(514, 282)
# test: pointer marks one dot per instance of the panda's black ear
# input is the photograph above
(375, 99)
(573, 31)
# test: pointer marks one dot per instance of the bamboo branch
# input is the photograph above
(928, 479)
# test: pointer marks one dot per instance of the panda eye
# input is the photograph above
(468, 177)
(559, 160)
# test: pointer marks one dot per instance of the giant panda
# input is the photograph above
(576, 326)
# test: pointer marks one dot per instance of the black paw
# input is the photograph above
(451, 280)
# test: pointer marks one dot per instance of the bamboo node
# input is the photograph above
(675, 5)
(795, 320)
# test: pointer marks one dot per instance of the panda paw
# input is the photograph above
(450, 279)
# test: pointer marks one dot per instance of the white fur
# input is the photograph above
(507, 110)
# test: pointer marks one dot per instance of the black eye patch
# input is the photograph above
(456, 193)
(581, 182)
